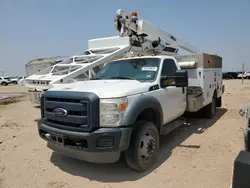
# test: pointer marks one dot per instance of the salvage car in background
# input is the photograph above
(4, 81)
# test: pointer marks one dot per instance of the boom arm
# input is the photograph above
(136, 35)
(144, 34)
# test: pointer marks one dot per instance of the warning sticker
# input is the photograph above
(149, 68)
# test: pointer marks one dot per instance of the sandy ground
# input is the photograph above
(198, 156)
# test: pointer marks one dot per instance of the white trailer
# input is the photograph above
(36, 65)
(132, 100)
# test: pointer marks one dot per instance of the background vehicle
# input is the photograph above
(36, 65)
(231, 75)
(227, 76)
(14, 80)
(241, 170)
(4, 81)
(21, 81)
(132, 100)
(245, 112)
(246, 75)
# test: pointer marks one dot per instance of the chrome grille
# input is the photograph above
(77, 118)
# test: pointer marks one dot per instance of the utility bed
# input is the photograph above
(204, 72)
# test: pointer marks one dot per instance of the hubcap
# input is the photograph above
(147, 146)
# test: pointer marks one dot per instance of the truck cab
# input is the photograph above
(122, 109)
(127, 105)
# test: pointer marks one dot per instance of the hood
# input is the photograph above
(107, 88)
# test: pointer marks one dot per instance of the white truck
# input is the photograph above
(4, 81)
(131, 101)
(36, 66)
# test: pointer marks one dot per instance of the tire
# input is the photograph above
(219, 102)
(210, 109)
(144, 144)
(15, 82)
(4, 84)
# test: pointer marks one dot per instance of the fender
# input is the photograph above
(137, 105)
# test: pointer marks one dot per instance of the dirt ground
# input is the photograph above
(198, 156)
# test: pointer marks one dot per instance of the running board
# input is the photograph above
(172, 125)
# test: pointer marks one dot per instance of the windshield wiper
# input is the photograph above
(95, 79)
(121, 77)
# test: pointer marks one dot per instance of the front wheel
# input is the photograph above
(141, 155)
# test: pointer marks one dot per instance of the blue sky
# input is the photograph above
(46, 28)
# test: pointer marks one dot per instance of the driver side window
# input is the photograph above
(168, 68)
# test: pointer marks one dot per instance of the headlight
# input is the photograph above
(111, 111)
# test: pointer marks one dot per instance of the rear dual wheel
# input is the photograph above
(210, 109)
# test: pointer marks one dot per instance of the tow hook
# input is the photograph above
(48, 136)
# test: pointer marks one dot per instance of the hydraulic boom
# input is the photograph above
(143, 34)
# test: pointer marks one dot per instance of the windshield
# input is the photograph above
(143, 69)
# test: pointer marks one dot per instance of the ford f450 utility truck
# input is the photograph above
(127, 106)
(129, 103)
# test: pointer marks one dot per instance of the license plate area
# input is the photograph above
(57, 139)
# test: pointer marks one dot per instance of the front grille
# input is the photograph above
(82, 110)
(77, 117)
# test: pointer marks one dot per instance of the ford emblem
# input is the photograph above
(60, 112)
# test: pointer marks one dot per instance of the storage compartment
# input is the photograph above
(194, 99)
(204, 72)
(202, 60)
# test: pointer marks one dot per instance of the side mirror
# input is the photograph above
(242, 112)
(179, 79)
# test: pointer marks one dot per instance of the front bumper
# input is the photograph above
(101, 146)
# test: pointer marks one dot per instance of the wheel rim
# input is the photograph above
(147, 146)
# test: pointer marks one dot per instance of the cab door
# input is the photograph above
(172, 98)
